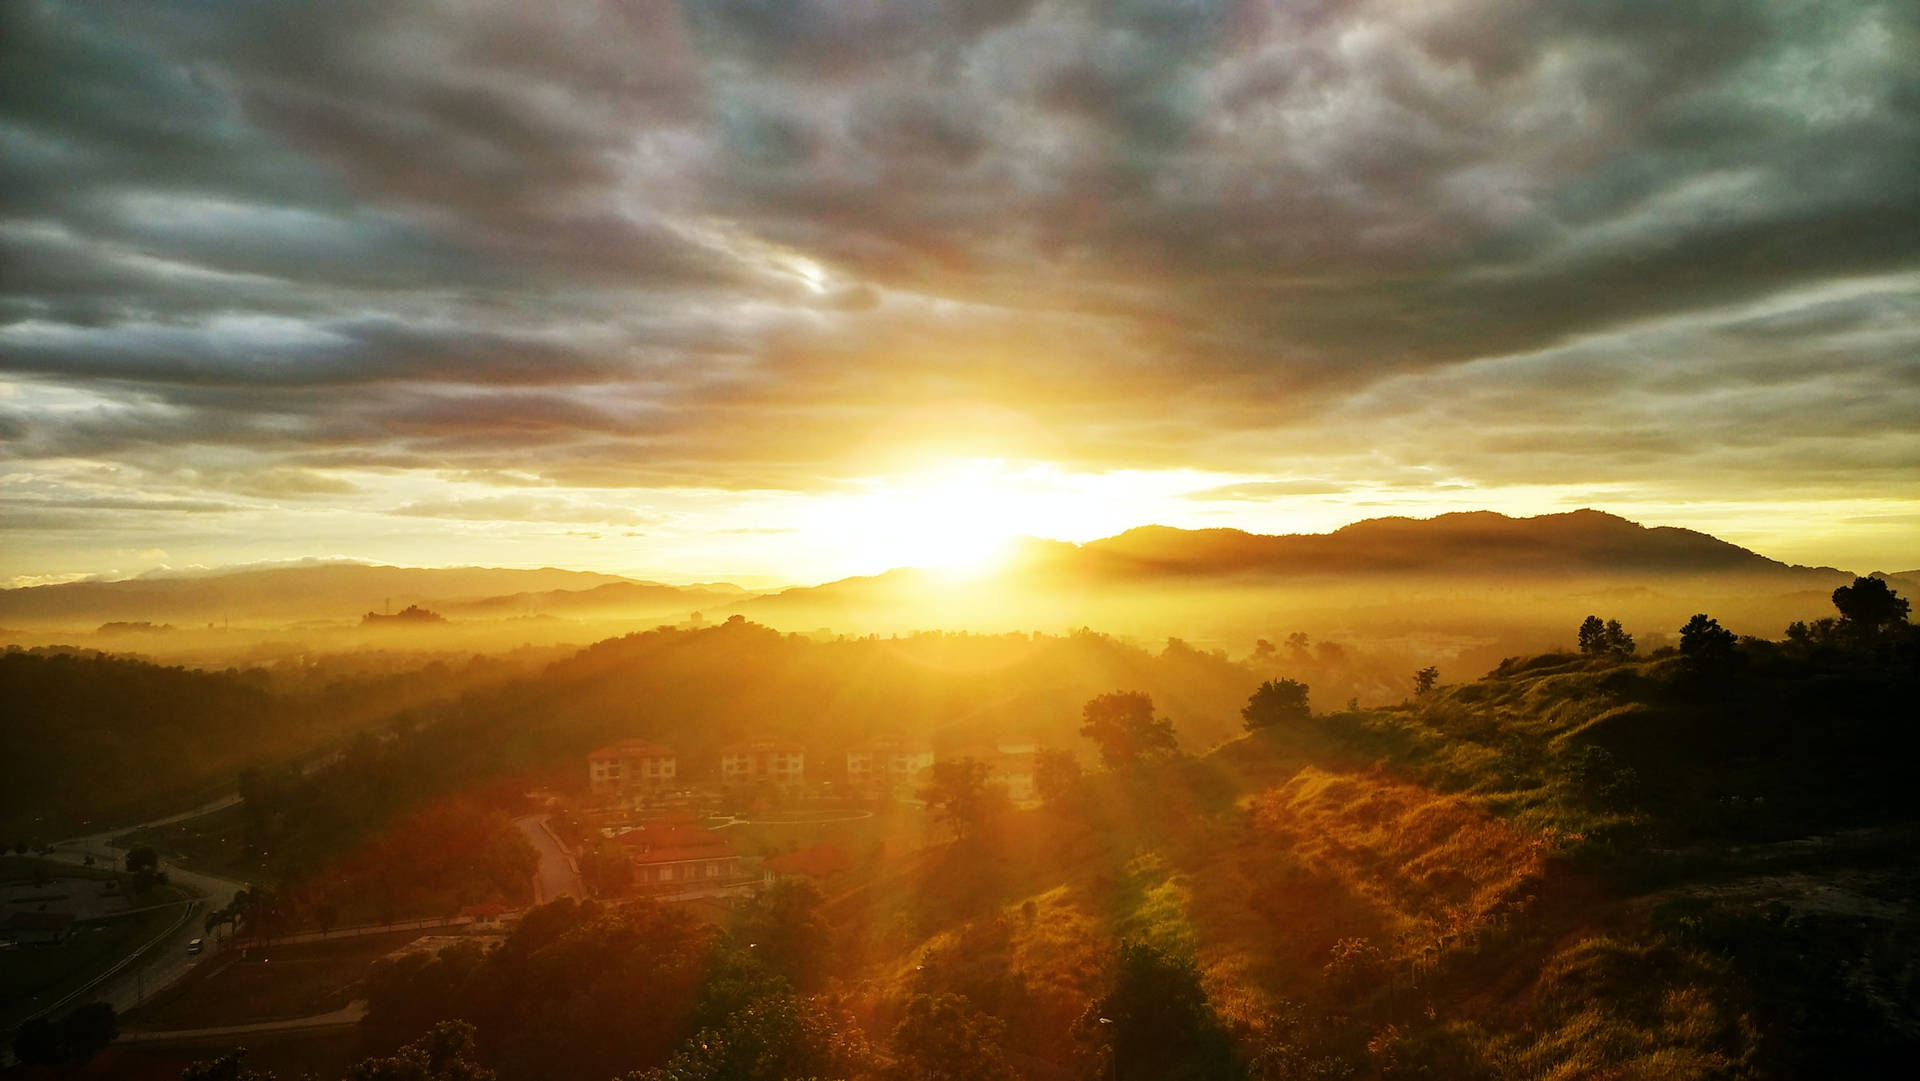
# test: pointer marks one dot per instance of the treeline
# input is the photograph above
(695, 690)
(99, 738)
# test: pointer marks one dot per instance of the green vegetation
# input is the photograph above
(268, 985)
(95, 739)
(32, 977)
(1690, 864)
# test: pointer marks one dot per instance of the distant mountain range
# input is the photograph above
(337, 591)
(1477, 546)
(1582, 542)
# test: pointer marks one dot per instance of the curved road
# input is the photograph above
(163, 960)
(558, 875)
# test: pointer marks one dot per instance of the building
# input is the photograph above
(678, 855)
(774, 763)
(887, 764)
(1013, 765)
(632, 765)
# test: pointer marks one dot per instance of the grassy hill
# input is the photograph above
(1571, 868)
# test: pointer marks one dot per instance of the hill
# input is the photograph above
(1684, 866)
(1475, 544)
(1466, 588)
(315, 591)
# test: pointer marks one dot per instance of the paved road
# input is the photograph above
(558, 876)
(162, 961)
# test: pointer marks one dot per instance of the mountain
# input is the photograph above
(1504, 583)
(1582, 542)
(320, 591)
(613, 598)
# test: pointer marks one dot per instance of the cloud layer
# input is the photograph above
(392, 258)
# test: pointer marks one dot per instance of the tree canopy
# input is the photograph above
(1604, 638)
(1276, 701)
(1869, 605)
(1123, 726)
(1704, 642)
(960, 792)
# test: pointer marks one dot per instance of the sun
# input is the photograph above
(958, 518)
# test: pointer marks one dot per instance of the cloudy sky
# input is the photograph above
(790, 289)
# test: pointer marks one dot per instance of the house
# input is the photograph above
(678, 855)
(632, 765)
(886, 764)
(776, 763)
(37, 928)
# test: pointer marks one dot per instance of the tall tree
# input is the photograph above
(1869, 606)
(1056, 775)
(1705, 643)
(1426, 679)
(958, 788)
(1593, 635)
(1123, 726)
(1276, 701)
(789, 934)
(944, 1038)
(1616, 639)
(1155, 1023)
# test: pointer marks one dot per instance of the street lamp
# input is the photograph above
(1113, 1068)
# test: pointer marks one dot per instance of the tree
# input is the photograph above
(37, 1043)
(445, 1053)
(87, 1031)
(944, 1038)
(231, 1067)
(1155, 1022)
(788, 932)
(1122, 725)
(1705, 643)
(1425, 679)
(777, 1038)
(1276, 701)
(1869, 606)
(1056, 776)
(958, 787)
(1602, 639)
(1593, 634)
(1616, 640)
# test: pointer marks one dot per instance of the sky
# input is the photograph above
(784, 290)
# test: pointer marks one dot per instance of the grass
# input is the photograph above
(31, 977)
(893, 831)
(214, 843)
(275, 984)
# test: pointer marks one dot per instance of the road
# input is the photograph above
(558, 875)
(350, 1014)
(161, 961)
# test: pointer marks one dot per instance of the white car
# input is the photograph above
(196, 945)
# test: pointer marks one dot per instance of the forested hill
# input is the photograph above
(98, 739)
(1696, 865)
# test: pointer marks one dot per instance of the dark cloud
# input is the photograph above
(736, 244)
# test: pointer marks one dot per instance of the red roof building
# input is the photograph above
(678, 854)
